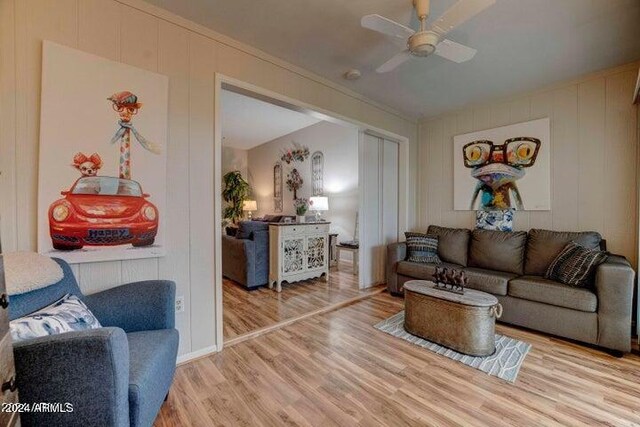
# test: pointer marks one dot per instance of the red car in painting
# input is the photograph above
(102, 211)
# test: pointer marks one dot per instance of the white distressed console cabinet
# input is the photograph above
(298, 251)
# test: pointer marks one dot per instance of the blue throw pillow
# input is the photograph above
(68, 314)
(495, 220)
(422, 248)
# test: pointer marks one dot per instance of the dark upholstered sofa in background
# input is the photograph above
(512, 265)
(245, 256)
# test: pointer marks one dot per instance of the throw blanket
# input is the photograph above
(28, 271)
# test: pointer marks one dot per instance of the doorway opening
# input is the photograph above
(285, 156)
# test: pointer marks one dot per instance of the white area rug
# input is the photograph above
(504, 363)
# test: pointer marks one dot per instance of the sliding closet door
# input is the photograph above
(389, 203)
(379, 205)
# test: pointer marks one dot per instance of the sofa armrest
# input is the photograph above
(396, 252)
(614, 284)
(237, 260)
(138, 306)
(87, 369)
(261, 259)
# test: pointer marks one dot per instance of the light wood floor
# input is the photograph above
(335, 369)
(245, 311)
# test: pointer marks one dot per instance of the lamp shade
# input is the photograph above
(249, 205)
(319, 203)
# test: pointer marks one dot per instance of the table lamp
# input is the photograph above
(319, 204)
(249, 206)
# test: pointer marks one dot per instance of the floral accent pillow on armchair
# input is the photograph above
(68, 314)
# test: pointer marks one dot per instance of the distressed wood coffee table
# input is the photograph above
(464, 323)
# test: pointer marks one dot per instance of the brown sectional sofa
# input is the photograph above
(511, 266)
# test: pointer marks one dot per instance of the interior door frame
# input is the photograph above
(225, 82)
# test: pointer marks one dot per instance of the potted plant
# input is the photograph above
(301, 206)
(236, 190)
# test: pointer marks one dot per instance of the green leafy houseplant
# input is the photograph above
(236, 190)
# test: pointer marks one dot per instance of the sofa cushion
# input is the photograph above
(420, 270)
(544, 245)
(575, 265)
(422, 248)
(498, 250)
(535, 288)
(152, 363)
(453, 243)
(246, 228)
(494, 282)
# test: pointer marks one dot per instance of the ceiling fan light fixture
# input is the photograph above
(423, 43)
(428, 40)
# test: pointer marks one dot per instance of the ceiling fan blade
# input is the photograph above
(394, 62)
(455, 52)
(459, 13)
(386, 26)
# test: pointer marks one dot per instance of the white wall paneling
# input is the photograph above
(173, 60)
(139, 34)
(593, 160)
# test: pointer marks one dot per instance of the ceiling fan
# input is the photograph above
(425, 41)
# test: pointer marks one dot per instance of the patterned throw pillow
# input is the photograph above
(495, 220)
(68, 314)
(575, 264)
(422, 248)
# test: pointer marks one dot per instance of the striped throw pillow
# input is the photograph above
(575, 264)
(422, 248)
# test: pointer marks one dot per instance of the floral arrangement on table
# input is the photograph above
(294, 182)
(296, 154)
(302, 206)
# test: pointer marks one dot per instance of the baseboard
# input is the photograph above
(203, 352)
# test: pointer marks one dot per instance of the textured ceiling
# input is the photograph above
(522, 44)
(248, 122)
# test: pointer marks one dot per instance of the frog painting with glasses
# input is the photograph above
(497, 168)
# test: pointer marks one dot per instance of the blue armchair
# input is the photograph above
(118, 375)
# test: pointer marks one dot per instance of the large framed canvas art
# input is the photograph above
(503, 168)
(102, 165)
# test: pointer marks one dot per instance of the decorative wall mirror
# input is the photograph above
(317, 173)
(277, 187)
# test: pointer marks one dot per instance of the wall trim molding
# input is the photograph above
(185, 23)
(576, 80)
(198, 354)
